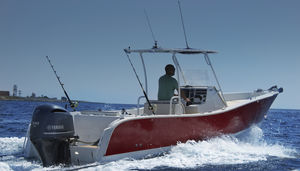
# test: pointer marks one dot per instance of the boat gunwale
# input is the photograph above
(216, 112)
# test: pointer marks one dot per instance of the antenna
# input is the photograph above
(148, 21)
(187, 46)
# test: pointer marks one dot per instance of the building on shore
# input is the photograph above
(4, 93)
(15, 90)
(64, 99)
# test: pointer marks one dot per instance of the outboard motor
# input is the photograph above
(50, 131)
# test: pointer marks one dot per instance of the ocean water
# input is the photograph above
(272, 145)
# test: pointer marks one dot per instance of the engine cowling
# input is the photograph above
(51, 128)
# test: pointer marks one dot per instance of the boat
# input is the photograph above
(57, 136)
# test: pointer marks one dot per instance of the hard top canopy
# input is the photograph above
(173, 51)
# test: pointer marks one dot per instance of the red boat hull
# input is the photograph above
(156, 132)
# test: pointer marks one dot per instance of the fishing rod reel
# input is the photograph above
(73, 105)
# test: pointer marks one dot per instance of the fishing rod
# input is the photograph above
(150, 107)
(72, 104)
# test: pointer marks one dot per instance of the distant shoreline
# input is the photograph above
(39, 99)
(42, 99)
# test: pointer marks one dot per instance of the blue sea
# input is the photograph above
(272, 145)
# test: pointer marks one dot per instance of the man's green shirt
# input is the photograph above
(166, 87)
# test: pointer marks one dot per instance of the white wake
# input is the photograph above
(217, 151)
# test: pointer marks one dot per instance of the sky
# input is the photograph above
(257, 41)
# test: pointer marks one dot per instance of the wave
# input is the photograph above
(4, 166)
(224, 150)
(11, 155)
(11, 145)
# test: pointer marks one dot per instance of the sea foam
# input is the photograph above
(4, 166)
(217, 151)
(222, 150)
(11, 145)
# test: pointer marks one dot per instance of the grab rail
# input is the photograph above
(138, 104)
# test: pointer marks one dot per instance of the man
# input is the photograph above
(167, 84)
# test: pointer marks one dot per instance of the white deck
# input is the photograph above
(233, 103)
